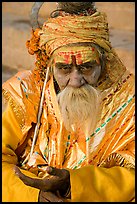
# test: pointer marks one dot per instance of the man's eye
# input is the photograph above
(65, 68)
(85, 67)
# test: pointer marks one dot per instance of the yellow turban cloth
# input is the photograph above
(61, 31)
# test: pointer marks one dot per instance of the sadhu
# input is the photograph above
(68, 130)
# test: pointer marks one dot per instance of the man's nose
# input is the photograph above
(76, 79)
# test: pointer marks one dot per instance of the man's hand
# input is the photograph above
(59, 180)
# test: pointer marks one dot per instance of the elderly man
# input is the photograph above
(68, 130)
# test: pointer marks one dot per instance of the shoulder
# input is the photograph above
(22, 84)
(22, 92)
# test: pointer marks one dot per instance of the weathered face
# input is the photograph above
(76, 75)
(77, 68)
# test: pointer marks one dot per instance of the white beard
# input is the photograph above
(79, 108)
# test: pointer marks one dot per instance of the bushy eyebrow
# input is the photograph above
(60, 64)
(86, 64)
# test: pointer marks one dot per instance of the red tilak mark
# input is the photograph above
(66, 59)
(73, 59)
(79, 58)
(67, 56)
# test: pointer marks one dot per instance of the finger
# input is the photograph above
(37, 183)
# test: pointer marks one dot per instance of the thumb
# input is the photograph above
(54, 171)
(62, 173)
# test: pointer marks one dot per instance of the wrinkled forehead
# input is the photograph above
(80, 54)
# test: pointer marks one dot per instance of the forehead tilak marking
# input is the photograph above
(67, 56)
(75, 56)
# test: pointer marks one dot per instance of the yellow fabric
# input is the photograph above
(98, 184)
(101, 185)
(13, 189)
